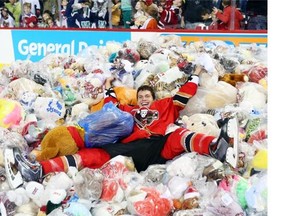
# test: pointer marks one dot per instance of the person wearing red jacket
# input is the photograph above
(231, 17)
(149, 142)
(170, 16)
(29, 20)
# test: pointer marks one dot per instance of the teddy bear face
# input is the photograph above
(201, 123)
(190, 203)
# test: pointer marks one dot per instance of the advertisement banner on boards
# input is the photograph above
(41, 43)
(36, 44)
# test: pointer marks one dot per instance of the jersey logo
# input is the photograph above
(145, 117)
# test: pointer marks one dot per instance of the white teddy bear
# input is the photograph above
(202, 123)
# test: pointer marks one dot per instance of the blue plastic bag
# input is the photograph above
(107, 125)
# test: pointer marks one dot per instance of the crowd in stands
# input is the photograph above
(135, 14)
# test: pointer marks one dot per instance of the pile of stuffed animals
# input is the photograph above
(60, 90)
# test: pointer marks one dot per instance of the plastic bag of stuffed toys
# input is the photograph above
(108, 125)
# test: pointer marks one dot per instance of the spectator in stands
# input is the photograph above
(47, 14)
(116, 13)
(71, 22)
(35, 7)
(79, 14)
(6, 18)
(166, 4)
(126, 8)
(170, 16)
(63, 19)
(29, 20)
(231, 17)
(256, 12)
(2, 3)
(51, 23)
(139, 16)
(152, 22)
(243, 5)
(210, 20)
(100, 14)
(217, 4)
(192, 10)
(206, 17)
(14, 6)
(52, 6)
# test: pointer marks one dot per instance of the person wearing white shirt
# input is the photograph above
(6, 20)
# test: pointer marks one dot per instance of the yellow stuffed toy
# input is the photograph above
(258, 163)
(60, 141)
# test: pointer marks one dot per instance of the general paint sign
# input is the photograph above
(36, 44)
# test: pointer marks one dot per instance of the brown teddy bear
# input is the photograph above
(233, 78)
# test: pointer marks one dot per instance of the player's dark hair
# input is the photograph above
(148, 88)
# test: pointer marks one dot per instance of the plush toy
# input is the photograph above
(4, 184)
(251, 94)
(177, 186)
(57, 188)
(11, 113)
(21, 85)
(132, 55)
(176, 168)
(139, 21)
(18, 196)
(122, 70)
(257, 72)
(146, 48)
(191, 198)
(257, 194)
(165, 84)
(109, 209)
(29, 208)
(258, 163)
(49, 108)
(230, 63)
(90, 88)
(201, 123)
(35, 192)
(214, 97)
(233, 78)
(88, 184)
(17, 69)
(113, 183)
(158, 62)
(125, 96)
(58, 142)
(222, 203)
(147, 201)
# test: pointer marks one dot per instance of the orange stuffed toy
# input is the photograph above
(124, 95)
